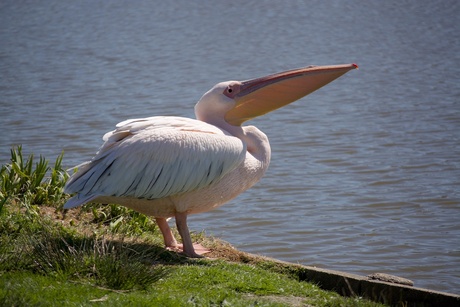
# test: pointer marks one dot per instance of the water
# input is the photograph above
(365, 173)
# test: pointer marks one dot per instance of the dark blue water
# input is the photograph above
(365, 173)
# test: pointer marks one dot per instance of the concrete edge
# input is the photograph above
(347, 284)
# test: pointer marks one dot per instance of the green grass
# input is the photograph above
(113, 256)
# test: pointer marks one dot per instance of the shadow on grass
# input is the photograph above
(118, 263)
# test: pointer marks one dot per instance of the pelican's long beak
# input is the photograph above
(259, 96)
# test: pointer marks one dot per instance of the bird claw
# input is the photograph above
(199, 250)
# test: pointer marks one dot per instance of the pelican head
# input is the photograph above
(238, 101)
(214, 104)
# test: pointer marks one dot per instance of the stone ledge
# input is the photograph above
(393, 294)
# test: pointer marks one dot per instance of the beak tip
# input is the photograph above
(355, 65)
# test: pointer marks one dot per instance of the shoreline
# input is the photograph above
(346, 284)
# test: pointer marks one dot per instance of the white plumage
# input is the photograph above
(157, 157)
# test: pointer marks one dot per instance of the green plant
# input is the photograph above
(121, 219)
(20, 180)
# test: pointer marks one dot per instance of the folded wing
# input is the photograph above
(156, 157)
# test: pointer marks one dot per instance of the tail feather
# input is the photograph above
(75, 184)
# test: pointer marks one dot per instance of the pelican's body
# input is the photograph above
(173, 166)
(219, 166)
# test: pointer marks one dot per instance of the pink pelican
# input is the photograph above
(165, 166)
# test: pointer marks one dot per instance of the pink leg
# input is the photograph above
(169, 239)
(188, 246)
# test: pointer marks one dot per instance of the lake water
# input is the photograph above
(365, 173)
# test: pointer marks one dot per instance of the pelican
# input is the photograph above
(166, 166)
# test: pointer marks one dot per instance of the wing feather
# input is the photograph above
(157, 157)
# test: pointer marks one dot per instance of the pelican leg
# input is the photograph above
(188, 247)
(181, 223)
(170, 241)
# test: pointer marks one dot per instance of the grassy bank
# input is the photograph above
(109, 255)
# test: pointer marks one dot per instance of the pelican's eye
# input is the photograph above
(231, 90)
